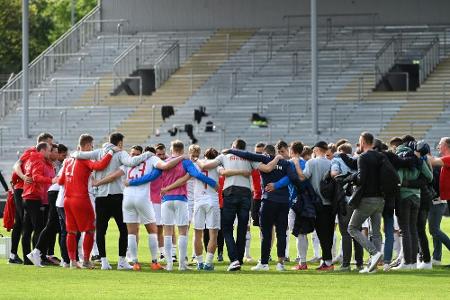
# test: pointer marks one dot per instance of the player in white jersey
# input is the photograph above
(137, 208)
(206, 215)
(194, 153)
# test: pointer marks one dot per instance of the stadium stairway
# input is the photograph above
(76, 107)
(183, 83)
(421, 108)
(283, 94)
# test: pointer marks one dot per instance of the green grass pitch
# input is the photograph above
(29, 282)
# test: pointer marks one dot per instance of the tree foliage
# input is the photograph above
(48, 20)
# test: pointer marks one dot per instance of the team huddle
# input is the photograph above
(285, 189)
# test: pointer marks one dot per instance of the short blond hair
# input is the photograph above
(194, 149)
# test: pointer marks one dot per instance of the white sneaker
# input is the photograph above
(375, 259)
(65, 265)
(413, 266)
(35, 258)
(261, 267)
(435, 262)
(106, 266)
(386, 267)
(367, 271)
(402, 267)
(425, 266)
(124, 265)
(280, 267)
(234, 266)
(169, 267)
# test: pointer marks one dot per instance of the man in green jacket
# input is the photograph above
(408, 208)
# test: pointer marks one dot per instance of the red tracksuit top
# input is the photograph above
(16, 180)
(35, 168)
(75, 175)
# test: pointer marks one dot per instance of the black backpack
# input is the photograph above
(332, 190)
(389, 179)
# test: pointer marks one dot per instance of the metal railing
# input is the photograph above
(1, 138)
(329, 21)
(430, 60)
(4, 104)
(132, 58)
(385, 59)
(167, 63)
(445, 86)
(96, 83)
(47, 62)
(129, 60)
(65, 110)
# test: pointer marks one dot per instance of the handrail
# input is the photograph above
(167, 52)
(167, 63)
(329, 20)
(429, 60)
(125, 52)
(109, 21)
(96, 81)
(385, 46)
(444, 94)
(47, 62)
(385, 59)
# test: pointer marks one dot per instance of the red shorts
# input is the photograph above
(80, 215)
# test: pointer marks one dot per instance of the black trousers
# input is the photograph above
(347, 240)
(235, 205)
(407, 220)
(47, 238)
(33, 224)
(273, 213)
(18, 221)
(422, 234)
(63, 235)
(105, 208)
(256, 207)
(325, 230)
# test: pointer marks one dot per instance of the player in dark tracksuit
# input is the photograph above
(275, 204)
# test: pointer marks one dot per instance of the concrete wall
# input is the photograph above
(158, 15)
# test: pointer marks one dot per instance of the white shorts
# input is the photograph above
(291, 220)
(174, 212)
(157, 209)
(138, 210)
(207, 213)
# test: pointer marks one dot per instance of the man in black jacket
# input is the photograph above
(372, 202)
(390, 202)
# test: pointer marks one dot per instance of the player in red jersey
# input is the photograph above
(80, 216)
